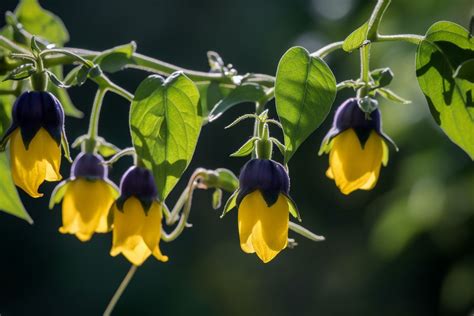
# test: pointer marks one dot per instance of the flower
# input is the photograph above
(137, 218)
(357, 148)
(263, 208)
(35, 140)
(88, 196)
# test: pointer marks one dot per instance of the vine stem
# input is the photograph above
(120, 290)
(364, 69)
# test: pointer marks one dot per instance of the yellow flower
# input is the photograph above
(263, 229)
(39, 163)
(88, 197)
(137, 235)
(263, 208)
(137, 218)
(85, 208)
(355, 167)
(357, 148)
(35, 140)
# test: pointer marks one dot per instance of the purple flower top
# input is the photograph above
(33, 110)
(89, 166)
(267, 176)
(140, 183)
(349, 115)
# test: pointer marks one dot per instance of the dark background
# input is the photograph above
(405, 248)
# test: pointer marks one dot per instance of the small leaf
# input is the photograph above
(231, 203)
(248, 92)
(304, 92)
(246, 148)
(280, 146)
(391, 96)
(107, 149)
(58, 193)
(356, 39)
(216, 199)
(9, 199)
(116, 58)
(21, 72)
(165, 125)
(77, 76)
(41, 22)
(6, 104)
(445, 48)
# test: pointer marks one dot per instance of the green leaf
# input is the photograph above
(165, 125)
(21, 72)
(445, 48)
(6, 104)
(210, 94)
(41, 22)
(465, 71)
(248, 92)
(391, 96)
(231, 203)
(356, 39)
(305, 89)
(9, 199)
(63, 95)
(115, 59)
(107, 149)
(246, 148)
(58, 193)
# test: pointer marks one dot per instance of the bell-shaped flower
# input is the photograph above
(263, 208)
(357, 147)
(137, 218)
(87, 198)
(35, 140)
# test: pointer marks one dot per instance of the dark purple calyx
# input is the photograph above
(89, 166)
(267, 176)
(349, 115)
(33, 110)
(138, 182)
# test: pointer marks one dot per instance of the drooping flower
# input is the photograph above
(137, 218)
(263, 208)
(88, 196)
(357, 148)
(35, 140)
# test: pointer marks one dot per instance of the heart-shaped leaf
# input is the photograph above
(305, 89)
(450, 98)
(165, 124)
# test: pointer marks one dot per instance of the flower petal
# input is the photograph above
(151, 230)
(30, 168)
(84, 204)
(263, 229)
(352, 166)
(247, 219)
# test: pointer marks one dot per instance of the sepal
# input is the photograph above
(58, 193)
(293, 208)
(231, 203)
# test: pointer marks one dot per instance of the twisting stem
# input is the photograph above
(120, 290)
(326, 50)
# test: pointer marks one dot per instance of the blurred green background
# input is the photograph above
(405, 248)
